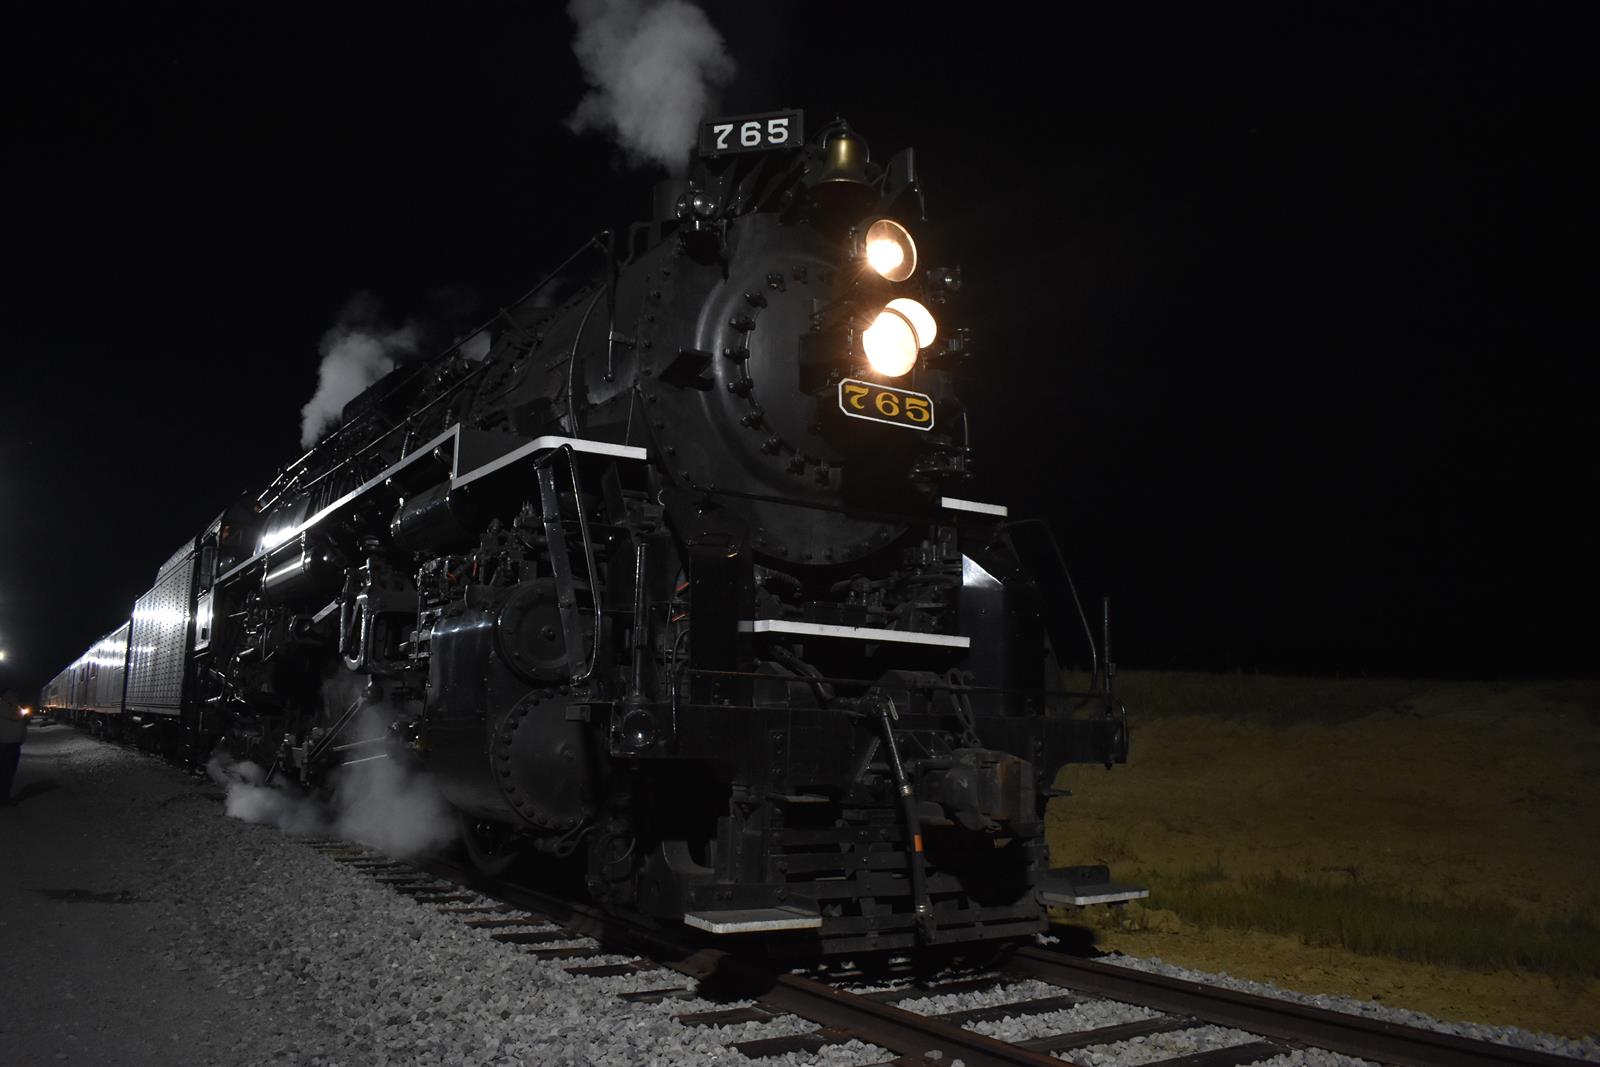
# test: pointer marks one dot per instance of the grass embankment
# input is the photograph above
(1432, 824)
(1372, 922)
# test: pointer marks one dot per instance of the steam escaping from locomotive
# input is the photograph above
(388, 804)
(379, 802)
(653, 67)
(251, 799)
(355, 353)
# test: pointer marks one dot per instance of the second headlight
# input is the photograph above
(893, 339)
(921, 319)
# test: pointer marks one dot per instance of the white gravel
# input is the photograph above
(1314, 1058)
(238, 944)
(1161, 1046)
(1010, 992)
(270, 952)
(436, 991)
(1088, 1016)
(1586, 1049)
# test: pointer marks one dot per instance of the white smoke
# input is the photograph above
(382, 803)
(355, 353)
(652, 66)
(378, 801)
(251, 799)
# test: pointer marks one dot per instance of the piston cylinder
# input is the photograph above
(301, 570)
(437, 518)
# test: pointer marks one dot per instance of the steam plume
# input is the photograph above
(387, 804)
(251, 799)
(380, 802)
(355, 353)
(652, 66)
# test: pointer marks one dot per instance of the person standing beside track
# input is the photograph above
(13, 730)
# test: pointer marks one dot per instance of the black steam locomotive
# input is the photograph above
(676, 580)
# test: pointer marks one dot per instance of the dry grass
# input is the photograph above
(1437, 822)
(1345, 912)
(1281, 700)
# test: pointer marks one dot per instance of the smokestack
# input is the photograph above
(664, 201)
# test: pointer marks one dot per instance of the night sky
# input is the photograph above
(1284, 315)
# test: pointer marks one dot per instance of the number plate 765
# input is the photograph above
(881, 403)
(752, 133)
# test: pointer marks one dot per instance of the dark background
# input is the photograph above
(1284, 313)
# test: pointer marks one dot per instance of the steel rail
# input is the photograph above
(907, 1033)
(844, 1015)
(902, 1032)
(1286, 1020)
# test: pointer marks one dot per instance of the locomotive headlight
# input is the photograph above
(885, 256)
(897, 333)
(921, 319)
(890, 343)
(890, 250)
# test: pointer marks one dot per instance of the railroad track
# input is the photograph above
(579, 935)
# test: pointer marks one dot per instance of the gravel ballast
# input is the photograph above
(1586, 1049)
(229, 942)
(151, 929)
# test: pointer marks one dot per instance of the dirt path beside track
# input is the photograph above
(102, 964)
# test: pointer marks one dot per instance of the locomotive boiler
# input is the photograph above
(680, 580)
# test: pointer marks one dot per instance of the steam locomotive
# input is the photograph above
(676, 581)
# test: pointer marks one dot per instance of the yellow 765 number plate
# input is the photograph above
(880, 403)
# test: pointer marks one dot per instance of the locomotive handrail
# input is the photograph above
(552, 508)
(453, 432)
(572, 364)
(416, 370)
(404, 424)
(1061, 560)
(321, 445)
(820, 505)
(457, 478)
(943, 685)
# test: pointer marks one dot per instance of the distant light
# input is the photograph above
(890, 344)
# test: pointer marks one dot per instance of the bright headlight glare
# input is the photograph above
(890, 344)
(885, 256)
(890, 250)
(921, 319)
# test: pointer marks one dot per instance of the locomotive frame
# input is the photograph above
(637, 589)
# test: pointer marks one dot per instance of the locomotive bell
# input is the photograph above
(846, 164)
